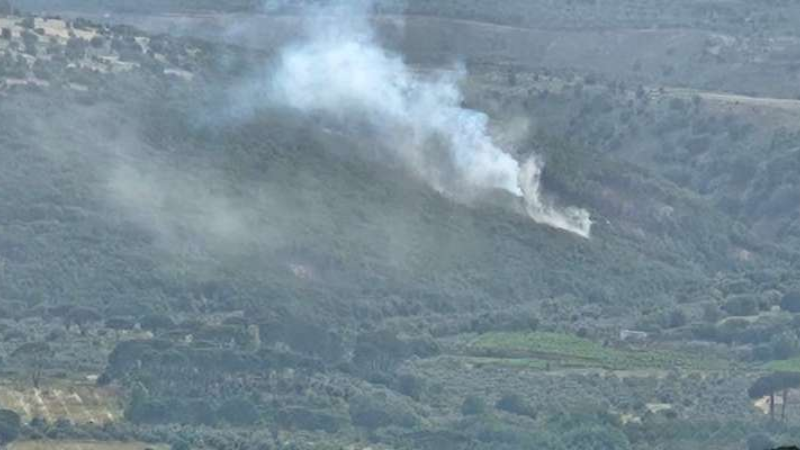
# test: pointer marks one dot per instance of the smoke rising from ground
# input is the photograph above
(341, 74)
(572, 219)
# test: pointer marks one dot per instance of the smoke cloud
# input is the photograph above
(341, 74)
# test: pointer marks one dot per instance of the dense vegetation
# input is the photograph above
(237, 280)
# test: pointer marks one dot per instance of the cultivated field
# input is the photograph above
(80, 403)
(553, 350)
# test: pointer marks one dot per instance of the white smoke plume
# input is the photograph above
(572, 219)
(341, 74)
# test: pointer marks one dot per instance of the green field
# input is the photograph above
(787, 365)
(541, 350)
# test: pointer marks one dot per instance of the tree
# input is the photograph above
(119, 323)
(769, 385)
(28, 22)
(763, 387)
(515, 404)
(379, 410)
(29, 40)
(10, 424)
(180, 445)
(411, 386)
(143, 409)
(473, 405)
(128, 355)
(156, 322)
(238, 411)
(596, 438)
(202, 412)
(97, 42)
(674, 319)
(82, 317)
(34, 355)
(784, 345)
(791, 302)
(759, 441)
(741, 305)
(304, 336)
(299, 418)
(711, 312)
(76, 48)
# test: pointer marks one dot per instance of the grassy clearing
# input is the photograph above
(539, 350)
(84, 445)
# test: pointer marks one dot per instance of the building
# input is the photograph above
(632, 336)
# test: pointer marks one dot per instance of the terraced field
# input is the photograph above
(542, 350)
(80, 403)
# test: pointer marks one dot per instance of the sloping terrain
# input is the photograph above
(248, 276)
(696, 44)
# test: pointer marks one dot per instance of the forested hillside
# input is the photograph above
(184, 263)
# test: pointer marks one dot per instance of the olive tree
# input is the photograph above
(10, 424)
(34, 356)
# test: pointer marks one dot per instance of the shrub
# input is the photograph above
(156, 322)
(759, 441)
(411, 386)
(29, 40)
(515, 404)
(704, 331)
(148, 411)
(473, 406)
(741, 305)
(305, 419)
(383, 350)
(201, 412)
(505, 321)
(238, 411)
(673, 319)
(180, 445)
(711, 312)
(97, 42)
(596, 438)
(27, 22)
(119, 323)
(76, 48)
(762, 352)
(731, 330)
(376, 411)
(303, 336)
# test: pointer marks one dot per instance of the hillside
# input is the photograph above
(234, 272)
